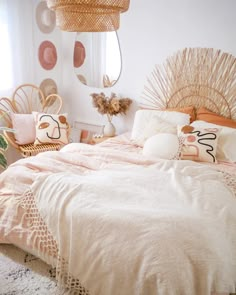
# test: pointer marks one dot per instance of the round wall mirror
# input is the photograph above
(97, 58)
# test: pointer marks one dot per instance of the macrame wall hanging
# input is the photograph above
(88, 15)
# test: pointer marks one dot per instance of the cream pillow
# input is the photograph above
(162, 146)
(51, 128)
(150, 122)
(226, 147)
(198, 144)
(24, 126)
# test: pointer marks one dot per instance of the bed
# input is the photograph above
(131, 215)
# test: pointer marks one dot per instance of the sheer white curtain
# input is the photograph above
(16, 49)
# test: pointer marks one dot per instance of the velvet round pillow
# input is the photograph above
(162, 146)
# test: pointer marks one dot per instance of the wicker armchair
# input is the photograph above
(26, 99)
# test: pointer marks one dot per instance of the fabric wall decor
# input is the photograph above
(79, 54)
(45, 18)
(48, 86)
(51, 128)
(47, 55)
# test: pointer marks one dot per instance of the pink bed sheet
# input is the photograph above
(20, 175)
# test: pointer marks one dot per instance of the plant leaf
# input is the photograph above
(3, 160)
(7, 129)
(3, 143)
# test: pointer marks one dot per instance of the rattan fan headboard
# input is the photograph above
(197, 77)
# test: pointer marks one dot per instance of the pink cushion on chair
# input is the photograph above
(24, 125)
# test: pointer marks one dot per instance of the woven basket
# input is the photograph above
(121, 5)
(88, 15)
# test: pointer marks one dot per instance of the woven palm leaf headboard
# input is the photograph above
(194, 76)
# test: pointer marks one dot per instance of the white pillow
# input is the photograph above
(162, 146)
(150, 122)
(226, 147)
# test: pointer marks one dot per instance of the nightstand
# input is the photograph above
(96, 140)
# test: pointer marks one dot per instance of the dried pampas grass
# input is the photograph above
(112, 105)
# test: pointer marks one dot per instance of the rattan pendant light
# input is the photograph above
(88, 15)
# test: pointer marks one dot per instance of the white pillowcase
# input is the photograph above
(226, 147)
(162, 146)
(150, 122)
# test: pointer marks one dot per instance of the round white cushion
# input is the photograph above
(161, 146)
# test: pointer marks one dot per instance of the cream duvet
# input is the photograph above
(124, 224)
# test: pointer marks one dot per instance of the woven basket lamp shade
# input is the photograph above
(88, 15)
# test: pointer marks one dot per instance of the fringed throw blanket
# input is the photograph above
(114, 222)
(130, 229)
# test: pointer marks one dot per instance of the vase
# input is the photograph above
(109, 129)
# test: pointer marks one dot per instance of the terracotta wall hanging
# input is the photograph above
(45, 18)
(47, 55)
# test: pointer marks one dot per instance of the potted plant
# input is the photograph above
(3, 147)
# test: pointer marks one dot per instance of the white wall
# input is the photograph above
(150, 31)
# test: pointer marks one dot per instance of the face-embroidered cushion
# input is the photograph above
(199, 144)
(25, 128)
(51, 128)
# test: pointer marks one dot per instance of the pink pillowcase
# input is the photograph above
(24, 125)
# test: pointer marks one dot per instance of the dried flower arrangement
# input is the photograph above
(111, 106)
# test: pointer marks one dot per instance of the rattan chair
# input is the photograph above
(26, 99)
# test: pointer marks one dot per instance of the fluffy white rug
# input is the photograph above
(23, 273)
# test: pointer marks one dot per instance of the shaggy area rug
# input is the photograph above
(23, 273)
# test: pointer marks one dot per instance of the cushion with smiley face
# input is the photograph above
(51, 128)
